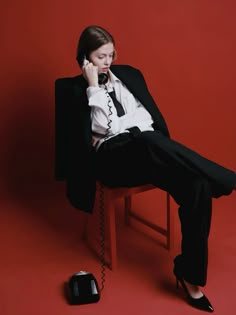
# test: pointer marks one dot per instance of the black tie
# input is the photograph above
(118, 106)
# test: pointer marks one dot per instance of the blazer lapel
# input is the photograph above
(129, 80)
(137, 86)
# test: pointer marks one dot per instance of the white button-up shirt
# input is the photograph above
(105, 122)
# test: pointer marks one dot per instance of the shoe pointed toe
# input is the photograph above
(202, 303)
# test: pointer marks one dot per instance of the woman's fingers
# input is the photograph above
(90, 73)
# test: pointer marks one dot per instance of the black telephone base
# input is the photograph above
(82, 288)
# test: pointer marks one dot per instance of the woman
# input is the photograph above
(116, 125)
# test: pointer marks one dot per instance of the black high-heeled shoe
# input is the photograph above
(201, 303)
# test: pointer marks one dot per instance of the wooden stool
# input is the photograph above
(103, 218)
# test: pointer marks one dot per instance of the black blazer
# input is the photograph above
(74, 153)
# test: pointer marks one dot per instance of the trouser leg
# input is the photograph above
(191, 179)
(194, 197)
(178, 157)
(195, 216)
(175, 172)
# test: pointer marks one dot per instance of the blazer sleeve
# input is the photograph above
(74, 150)
(159, 120)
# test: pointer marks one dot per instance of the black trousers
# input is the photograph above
(191, 179)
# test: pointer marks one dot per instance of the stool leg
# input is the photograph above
(111, 225)
(84, 233)
(100, 228)
(127, 209)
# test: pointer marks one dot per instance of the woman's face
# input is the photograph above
(102, 57)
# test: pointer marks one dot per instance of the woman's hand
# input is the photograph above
(90, 73)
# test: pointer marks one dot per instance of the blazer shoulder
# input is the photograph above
(125, 68)
(127, 73)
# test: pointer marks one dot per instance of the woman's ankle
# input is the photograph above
(193, 290)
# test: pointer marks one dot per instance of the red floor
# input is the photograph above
(41, 248)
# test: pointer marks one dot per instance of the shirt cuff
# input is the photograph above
(92, 90)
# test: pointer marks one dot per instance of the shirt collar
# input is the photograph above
(113, 77)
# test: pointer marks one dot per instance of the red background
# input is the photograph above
(186, 50)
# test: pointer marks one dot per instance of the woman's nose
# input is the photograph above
(107, 61)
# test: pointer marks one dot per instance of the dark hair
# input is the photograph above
(91, 39)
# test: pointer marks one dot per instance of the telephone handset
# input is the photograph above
(102, 77)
